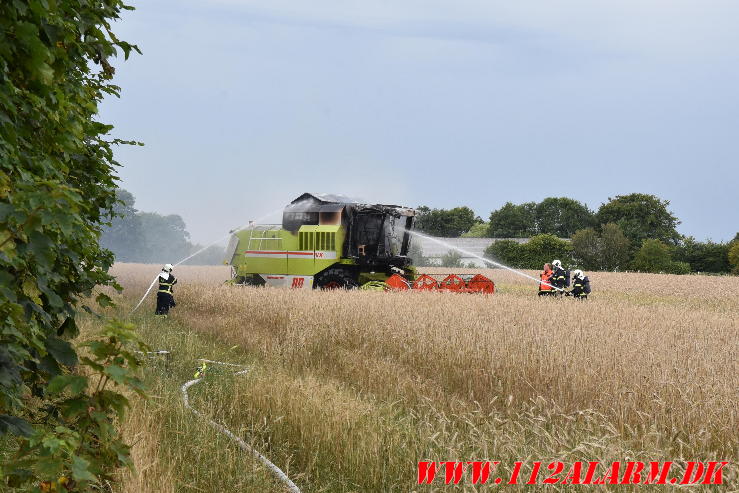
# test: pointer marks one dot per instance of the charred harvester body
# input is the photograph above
(329, 242)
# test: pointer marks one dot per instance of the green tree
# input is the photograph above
(704, 256)
(587, 248)
(615, 248)
(165, 238)
(123, 235)
(608, 250)
(513, 221)
(56, 187)
(734, 256)
(445, 223)
(562, 216)
(641, 216)
(478, 230)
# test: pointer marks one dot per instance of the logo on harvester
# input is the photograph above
(298, 282)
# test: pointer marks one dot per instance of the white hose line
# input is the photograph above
(241, 443)
(251, 223)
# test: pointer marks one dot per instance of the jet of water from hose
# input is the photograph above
(250, 224)
(486, 260)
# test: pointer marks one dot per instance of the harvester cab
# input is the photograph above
(325, 241)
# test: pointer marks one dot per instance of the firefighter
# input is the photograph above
(580, 285)
(560, 277)
(165, 299)
(546, 277)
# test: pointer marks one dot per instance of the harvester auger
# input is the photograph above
(331, 242)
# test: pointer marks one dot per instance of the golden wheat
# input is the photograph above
(350, 389)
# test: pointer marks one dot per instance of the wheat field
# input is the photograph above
(348, 390)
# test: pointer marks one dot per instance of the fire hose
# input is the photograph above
(241, 443)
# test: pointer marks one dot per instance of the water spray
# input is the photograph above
(249, 225)
(486, 260)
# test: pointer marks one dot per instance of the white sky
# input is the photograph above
(243, 105)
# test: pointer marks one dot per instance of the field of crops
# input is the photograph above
(348, 390)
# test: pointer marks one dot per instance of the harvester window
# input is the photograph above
(292, 221)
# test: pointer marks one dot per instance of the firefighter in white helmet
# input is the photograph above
(165, 297)
(580, 285)
(560, 277)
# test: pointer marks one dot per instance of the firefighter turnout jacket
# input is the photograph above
(559, 278)
(581, 287)
(165, 284)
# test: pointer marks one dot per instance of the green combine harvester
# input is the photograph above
(326, 242)
(331, 242)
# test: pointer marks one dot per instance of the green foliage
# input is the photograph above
(558, 216)
(641, 216)
(704, 257)
(445, 223)
(655, 256)
(587, 248)
(734, 256)
(56, 189)
(544, 248)
(149, 237)
(562, 216)
(79, 446)
(452, 259)
(608, 250)
(513, 221)
(123, 236)
(507, 252)
(615, 247)
(478, 230)
(539, 250)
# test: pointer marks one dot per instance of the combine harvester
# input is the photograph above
(331, 242)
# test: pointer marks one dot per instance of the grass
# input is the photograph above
(348, 390)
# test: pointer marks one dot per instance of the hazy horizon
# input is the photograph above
(244, 105)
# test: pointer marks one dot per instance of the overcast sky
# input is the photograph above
(243, 105)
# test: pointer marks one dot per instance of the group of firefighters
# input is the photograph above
(555, 279)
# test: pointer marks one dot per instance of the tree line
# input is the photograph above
(628, 232)
(148, 237)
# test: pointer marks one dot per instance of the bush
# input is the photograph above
(539, 250)
(506, 252)
(734, 256)
(608, 250)
(704, 257)
(615, 247)
(452, 260)
(655, 256)
(478, 230)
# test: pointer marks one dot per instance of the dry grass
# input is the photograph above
(350, 389)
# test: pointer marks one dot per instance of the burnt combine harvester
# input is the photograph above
(331, 242)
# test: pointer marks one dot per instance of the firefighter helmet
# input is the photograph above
(557, 263)
(578, 274)
(167, 268)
